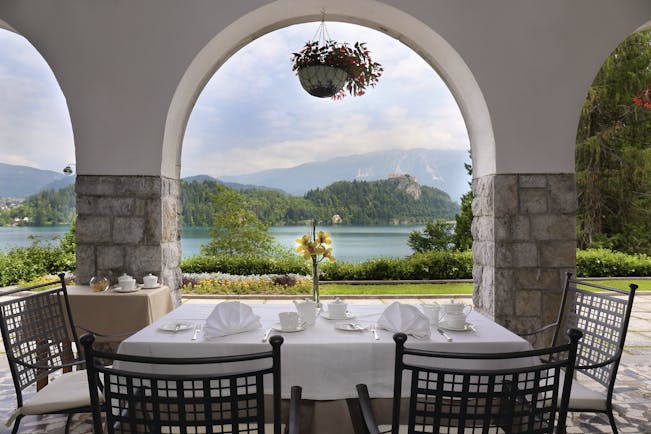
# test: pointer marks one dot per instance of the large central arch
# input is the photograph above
(407, 29)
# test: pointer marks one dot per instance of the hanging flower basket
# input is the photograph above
(337, 62)
(322, 81)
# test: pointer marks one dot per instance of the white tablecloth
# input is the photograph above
(327, 363)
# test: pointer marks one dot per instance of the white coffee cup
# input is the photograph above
(149, 281)
(456, 320)
(288, 320)
(432, 311)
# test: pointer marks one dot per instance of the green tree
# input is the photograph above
(437, 235)
(462, 228)
(236, 230)
(613, 157)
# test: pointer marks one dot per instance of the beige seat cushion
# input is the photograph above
(64, 392)
(583, 397)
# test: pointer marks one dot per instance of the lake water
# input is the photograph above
(350, 243)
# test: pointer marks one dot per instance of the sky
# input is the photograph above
(253, 114)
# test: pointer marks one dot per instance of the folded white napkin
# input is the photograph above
(405, 318)
(229, 318)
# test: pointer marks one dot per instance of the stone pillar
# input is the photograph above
(524, 232)
(129, 224)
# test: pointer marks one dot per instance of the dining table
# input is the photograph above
(327, 359)
(115, 314)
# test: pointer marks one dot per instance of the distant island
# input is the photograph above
(396, 200)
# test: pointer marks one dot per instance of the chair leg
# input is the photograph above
(68, 420)
(16, 424)
(611, 417)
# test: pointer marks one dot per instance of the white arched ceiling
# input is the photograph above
(407, 29)
(131, 71)
(4, 25)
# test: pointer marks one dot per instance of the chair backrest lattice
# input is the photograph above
(211, 395)
(511, 392)
(602, 314)
(35, 330)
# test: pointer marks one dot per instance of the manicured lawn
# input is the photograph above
(643, 285)
(445, 288)
(421, 288)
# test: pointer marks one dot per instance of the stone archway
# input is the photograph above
(413, 33)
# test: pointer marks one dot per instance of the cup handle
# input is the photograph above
(470, 308)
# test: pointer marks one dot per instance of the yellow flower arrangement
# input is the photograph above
(317, 248)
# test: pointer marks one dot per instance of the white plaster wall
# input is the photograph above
(131, 70)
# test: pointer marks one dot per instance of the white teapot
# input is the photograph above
(307, 310)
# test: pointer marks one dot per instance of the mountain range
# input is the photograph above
(441, 169)
(23, 181)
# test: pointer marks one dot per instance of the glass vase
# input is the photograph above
(315, 280)
(99, 283)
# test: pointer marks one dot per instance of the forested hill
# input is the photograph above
(394, 201)
(49, 207)
(398, 200)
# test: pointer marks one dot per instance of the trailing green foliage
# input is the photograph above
(606, 263)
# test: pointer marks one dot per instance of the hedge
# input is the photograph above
(607, 263)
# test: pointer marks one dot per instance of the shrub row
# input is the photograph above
(244, 265)
(606, 263)
(428, 265)
(420, 266)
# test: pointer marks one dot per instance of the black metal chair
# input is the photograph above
(518, 392)
(40, 343)
(602, 314)
(213, 394)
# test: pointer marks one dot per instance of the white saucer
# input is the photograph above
(120, 289)
(466, 327)
(176, 326)
(277, 327)
(326, 315)
(142, 286)
(351, 327)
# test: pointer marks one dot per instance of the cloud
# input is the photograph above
(252, 115)
(35, 128)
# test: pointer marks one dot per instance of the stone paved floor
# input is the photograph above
(632, 396)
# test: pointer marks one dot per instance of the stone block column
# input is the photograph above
(129, 224)
(524, 232)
